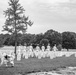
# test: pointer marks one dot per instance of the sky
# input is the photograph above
(59, 15)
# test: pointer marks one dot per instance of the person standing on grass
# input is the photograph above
(48, 47)
(55, 53)
(37, 47)
(24, 50)
(11, 59)
(31, 50)
(25, 53)
(43, 49)
(55, 48)
(19, 53)
(37, 50)
(48, 50)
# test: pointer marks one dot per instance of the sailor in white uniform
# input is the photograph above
(11, 59)
(48, 47)
(48, 50)
(55, 48)
(53, 53)
(37, 50)
(19, 53)
(31, 51)
(43, 49)
(24, 50)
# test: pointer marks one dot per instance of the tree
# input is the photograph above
(54, 37)
(68, 40)
(11, 40)
(59, 47)
(39, 37)
(7, 38)
(26, 38)
(16, 21)
(2, 40)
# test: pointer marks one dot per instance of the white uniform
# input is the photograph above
(37, 51)
(19, 53)
(11, 59)
(43, 48)
(37, 48)
(24, 51)
(31, 51)
(54, 48)
(40, 54)
(43, 53)
(48, 50)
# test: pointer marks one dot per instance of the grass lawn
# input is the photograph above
(33, 65)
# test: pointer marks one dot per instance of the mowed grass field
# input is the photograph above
(35, 65)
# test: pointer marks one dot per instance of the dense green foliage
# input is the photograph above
(69, 40)
(66, 39)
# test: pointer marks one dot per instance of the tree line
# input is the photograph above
(65, 40)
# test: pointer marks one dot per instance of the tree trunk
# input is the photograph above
(15, 34)
(15, 42)
(15, 38)
(15, 46)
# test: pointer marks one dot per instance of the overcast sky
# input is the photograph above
(59, 15)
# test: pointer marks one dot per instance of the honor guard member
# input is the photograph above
(37, 50)
(19, 53)
(48, 50)
(43, 49)
(55, 48)
(48, 47)
(31, 50)
(24, 50)
(55, 53)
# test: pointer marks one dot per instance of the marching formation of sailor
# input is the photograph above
(28, 51)
(52, 52)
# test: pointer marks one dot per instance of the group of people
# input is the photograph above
(25, 52)
(29, 51)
